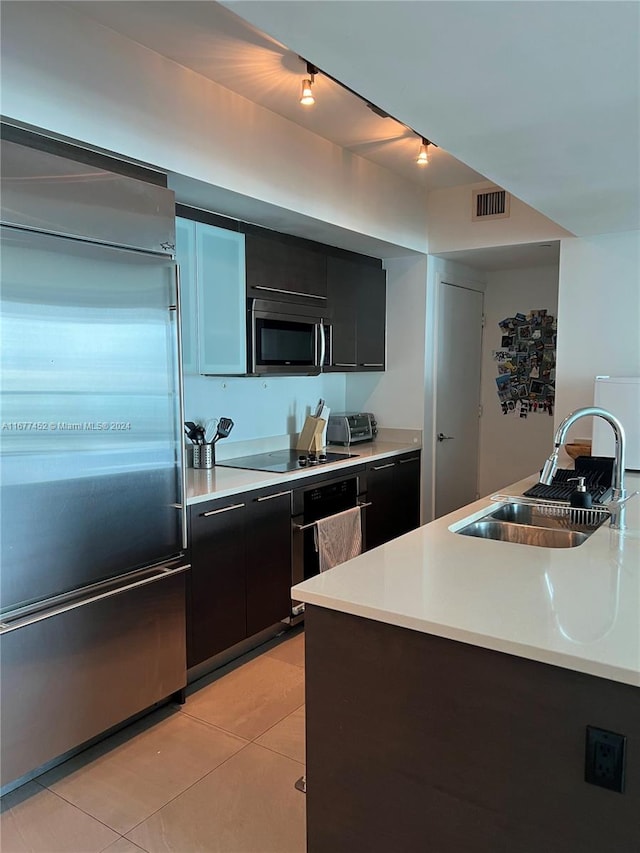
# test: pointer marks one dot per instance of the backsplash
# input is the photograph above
(261, 407)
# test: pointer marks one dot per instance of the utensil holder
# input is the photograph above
(203, 455)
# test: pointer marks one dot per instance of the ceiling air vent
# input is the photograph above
(491, 203)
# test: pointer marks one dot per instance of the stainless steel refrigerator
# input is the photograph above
(93, 516)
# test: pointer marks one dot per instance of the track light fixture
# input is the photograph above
(423, 152)
(307, 99)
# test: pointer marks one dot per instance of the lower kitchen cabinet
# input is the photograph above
(268, 560)
(216, 592)
(393, 490)
(240, 577)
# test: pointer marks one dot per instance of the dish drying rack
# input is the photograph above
(561, 513)
(597, 480)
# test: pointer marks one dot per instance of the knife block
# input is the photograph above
(310, 439)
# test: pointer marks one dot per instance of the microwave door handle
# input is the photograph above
(323, 344)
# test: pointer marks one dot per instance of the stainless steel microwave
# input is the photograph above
(287, 339)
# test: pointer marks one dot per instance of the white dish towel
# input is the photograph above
(338, 538)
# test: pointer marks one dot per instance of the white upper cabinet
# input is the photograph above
(212, 274)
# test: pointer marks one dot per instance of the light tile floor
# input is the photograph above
(215, 775)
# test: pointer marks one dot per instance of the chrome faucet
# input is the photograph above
(619, 494)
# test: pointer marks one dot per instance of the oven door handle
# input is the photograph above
(360, 505)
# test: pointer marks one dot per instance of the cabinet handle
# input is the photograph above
(411, 459)
(382, 467)
(372, 364)
(224, 509)
(289, 292)
(345, 364)
(271, 497)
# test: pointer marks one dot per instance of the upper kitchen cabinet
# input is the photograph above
(357, 303)
(212, 287)
(280, 267)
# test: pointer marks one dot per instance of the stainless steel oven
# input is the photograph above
(287, 339)
(313, 502)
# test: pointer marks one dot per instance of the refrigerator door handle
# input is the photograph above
(150, 576)
(183, 454)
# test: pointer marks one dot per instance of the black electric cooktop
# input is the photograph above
(280, 461)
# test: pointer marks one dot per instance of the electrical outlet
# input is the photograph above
(604, 759)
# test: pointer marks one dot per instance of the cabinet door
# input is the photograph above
(216, 614)
(268, 560)
(407, 491)
(381, 518)
(371, 318)
(357, 301)
(221, 312)
(186, 260)
(342, 297)
(284, 271)
(393, 488)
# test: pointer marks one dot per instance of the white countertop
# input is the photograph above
(577, 608)
(219, 482)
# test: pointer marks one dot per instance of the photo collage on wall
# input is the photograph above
(527, 363)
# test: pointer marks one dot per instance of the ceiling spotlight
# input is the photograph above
(307, 99)
(423, 153)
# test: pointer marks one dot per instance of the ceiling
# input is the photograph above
(540, 97)
(219, 45)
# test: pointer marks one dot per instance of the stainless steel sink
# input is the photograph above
(542, 525)
(552, 517)
(524, 534)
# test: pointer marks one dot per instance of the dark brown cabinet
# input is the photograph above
(393, 491)
(216, 591)
(268, 560)
(279, 268)
(240, 577)
(357, 302)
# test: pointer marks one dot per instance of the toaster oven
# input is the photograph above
(350, 427)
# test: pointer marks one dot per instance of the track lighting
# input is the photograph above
(423, 153)
(307, 99)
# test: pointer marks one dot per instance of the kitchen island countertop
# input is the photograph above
(576, 608)
(219, 482)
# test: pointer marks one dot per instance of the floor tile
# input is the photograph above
(126, 778)
(250, 699)
(248, 805)
(289, 651)
(287, 737)
(123, 845)
(34, 820)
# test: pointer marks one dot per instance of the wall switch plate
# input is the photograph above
(605, 759)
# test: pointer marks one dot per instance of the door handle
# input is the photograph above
(443, 437)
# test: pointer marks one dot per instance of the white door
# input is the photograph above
(457, 397)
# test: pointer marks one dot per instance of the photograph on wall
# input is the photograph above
(526, 363)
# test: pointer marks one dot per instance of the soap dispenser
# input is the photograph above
(580, 498)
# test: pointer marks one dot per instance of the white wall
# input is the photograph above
(261, 407)
(598, 317)
(451, 226)
(511, 447)
(396, 397)
(68, 74)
